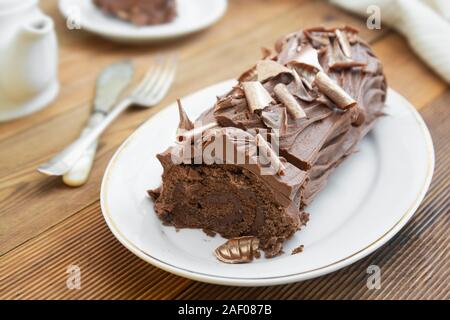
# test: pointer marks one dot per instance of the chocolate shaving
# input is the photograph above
(351, 30)
(322, 30)
(234, 98)
(249, 75)
(237, 92)
(275, 119)
(256, 95)
(317, 38)
(343, 43)
(342, 65)
(297, 87)
(267, 69)
(307, 77)
(306, 58)
(224, 103)
(228, 102)
(196, 132)
(336, 54)
(266, 53)
(333, 91)
(287, 49)
(291, 104)
(238, 250)
(339, 61)
(267, 150)
(185, 123)
(307, 64)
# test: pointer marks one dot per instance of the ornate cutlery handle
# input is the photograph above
(79, 173)
(66, 159)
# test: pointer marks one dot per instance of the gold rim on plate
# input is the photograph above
(299, 276)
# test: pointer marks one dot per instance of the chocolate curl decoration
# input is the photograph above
(238, 250)
(297, 87)
(338, 59)
(306, 62)
(185, 123)
(343, 43)
(256, 95)
(306, 58)
(249, 75)
(267, 69)
(266, 53)
(329, 88)
(289, 101)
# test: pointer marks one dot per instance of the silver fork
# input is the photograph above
(150, 91)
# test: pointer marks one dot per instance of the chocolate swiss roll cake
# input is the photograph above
(251, 164)
(140, 12)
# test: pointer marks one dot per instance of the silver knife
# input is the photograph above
(110, 83)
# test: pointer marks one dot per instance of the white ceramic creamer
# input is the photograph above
(28, 59)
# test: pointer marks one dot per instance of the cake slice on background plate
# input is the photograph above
(140, 12)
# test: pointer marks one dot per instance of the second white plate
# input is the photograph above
(367, 201)
(193, 16)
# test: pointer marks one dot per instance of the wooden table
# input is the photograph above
(46, 226)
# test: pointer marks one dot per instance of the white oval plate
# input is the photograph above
(193, 16)
(367, 201)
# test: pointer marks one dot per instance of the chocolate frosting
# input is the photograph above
(310, 146)
(303, 141)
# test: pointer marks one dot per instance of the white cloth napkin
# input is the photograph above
(424, 23)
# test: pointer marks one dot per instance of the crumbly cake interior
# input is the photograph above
(226, 199)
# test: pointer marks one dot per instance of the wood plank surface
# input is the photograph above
(26, 194)
(414, 264)
(46, 226)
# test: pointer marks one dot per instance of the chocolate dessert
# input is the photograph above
(140, 12)
(268, 146)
